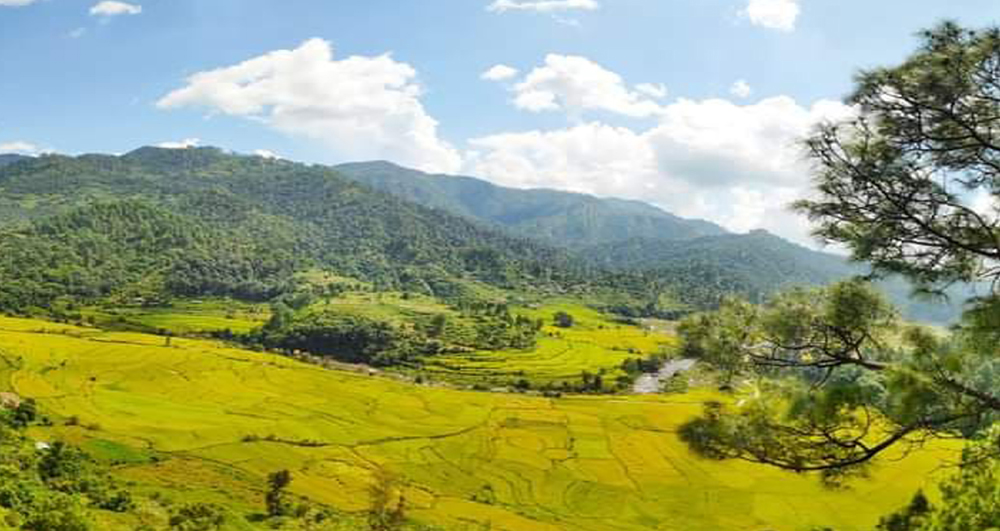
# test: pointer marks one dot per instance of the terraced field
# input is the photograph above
(595, 343)
(191, 419)
(188, 317)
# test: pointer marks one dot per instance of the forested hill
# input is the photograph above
(755, 265)
(202, 221)
(555, 217)
(758, 254)
(10, 158)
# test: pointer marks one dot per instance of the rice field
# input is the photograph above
(192, 420)
(595, 343)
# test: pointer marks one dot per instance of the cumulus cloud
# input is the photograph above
(741, 89)
(111, 8)
(359, 107)
(773, 14)
(591, 157)
(500, 73)
(16, 3)
(737, 165)
(267, 154)
(543, 6)
(183, 144)
(575, 84)
(21, 147)
(653, 90)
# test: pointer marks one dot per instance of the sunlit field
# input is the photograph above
(198, 420)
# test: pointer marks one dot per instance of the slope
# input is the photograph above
(243, 224)
(213, 421)
(756, 265)
(559, 218)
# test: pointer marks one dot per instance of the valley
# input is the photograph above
(198, 420)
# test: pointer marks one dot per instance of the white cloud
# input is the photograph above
(77, 33)
(741, 89)
(773, 14)
(267, 154)
(20, 147)
(183, 144)
(500, 73)
(111, 8)
(737, 165)
(591, 157)
(576, 84)
(359, 107)
(653, 90)
(16, 3)
(544, 6)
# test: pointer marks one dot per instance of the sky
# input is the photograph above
(696, 106)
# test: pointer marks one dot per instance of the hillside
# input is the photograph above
(11, 158)
(555, 217)
(204, 222)
(756, 265)
(194, 420)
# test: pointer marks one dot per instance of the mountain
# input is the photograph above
(11, 158)
(558, 218)
(757, 253)
(756, 265)
(159, 222)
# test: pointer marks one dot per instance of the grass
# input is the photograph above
(515, 462)
(187, 317)
(595, 343)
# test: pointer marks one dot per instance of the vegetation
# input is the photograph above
(846, 383)
(556, 218)
(156, 224)
(194, 423)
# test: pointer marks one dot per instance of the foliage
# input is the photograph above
(576, 462)
(51, 488)
(893, 185)
(276, 497)
(851, 382)
(198, 516)
(563, 320)
(158, 223)
(554, 217)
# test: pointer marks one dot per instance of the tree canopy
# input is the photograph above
(909, 185)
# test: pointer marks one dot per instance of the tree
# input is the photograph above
(895, 182)
(198, 516)
(563, 320)
(275, 499)
(969, 500)
(438, 325)
(846, 381)
(387, 505)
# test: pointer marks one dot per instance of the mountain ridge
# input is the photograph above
(566, 219)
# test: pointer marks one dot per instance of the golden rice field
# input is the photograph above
(595, 343)
(468, 460)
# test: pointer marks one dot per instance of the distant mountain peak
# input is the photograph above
(562, 218)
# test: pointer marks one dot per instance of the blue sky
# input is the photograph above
(631, 98)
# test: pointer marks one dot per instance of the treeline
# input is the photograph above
(350, 338)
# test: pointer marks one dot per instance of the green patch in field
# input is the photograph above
(116, 453)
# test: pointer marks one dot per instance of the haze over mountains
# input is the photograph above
(560, 218)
